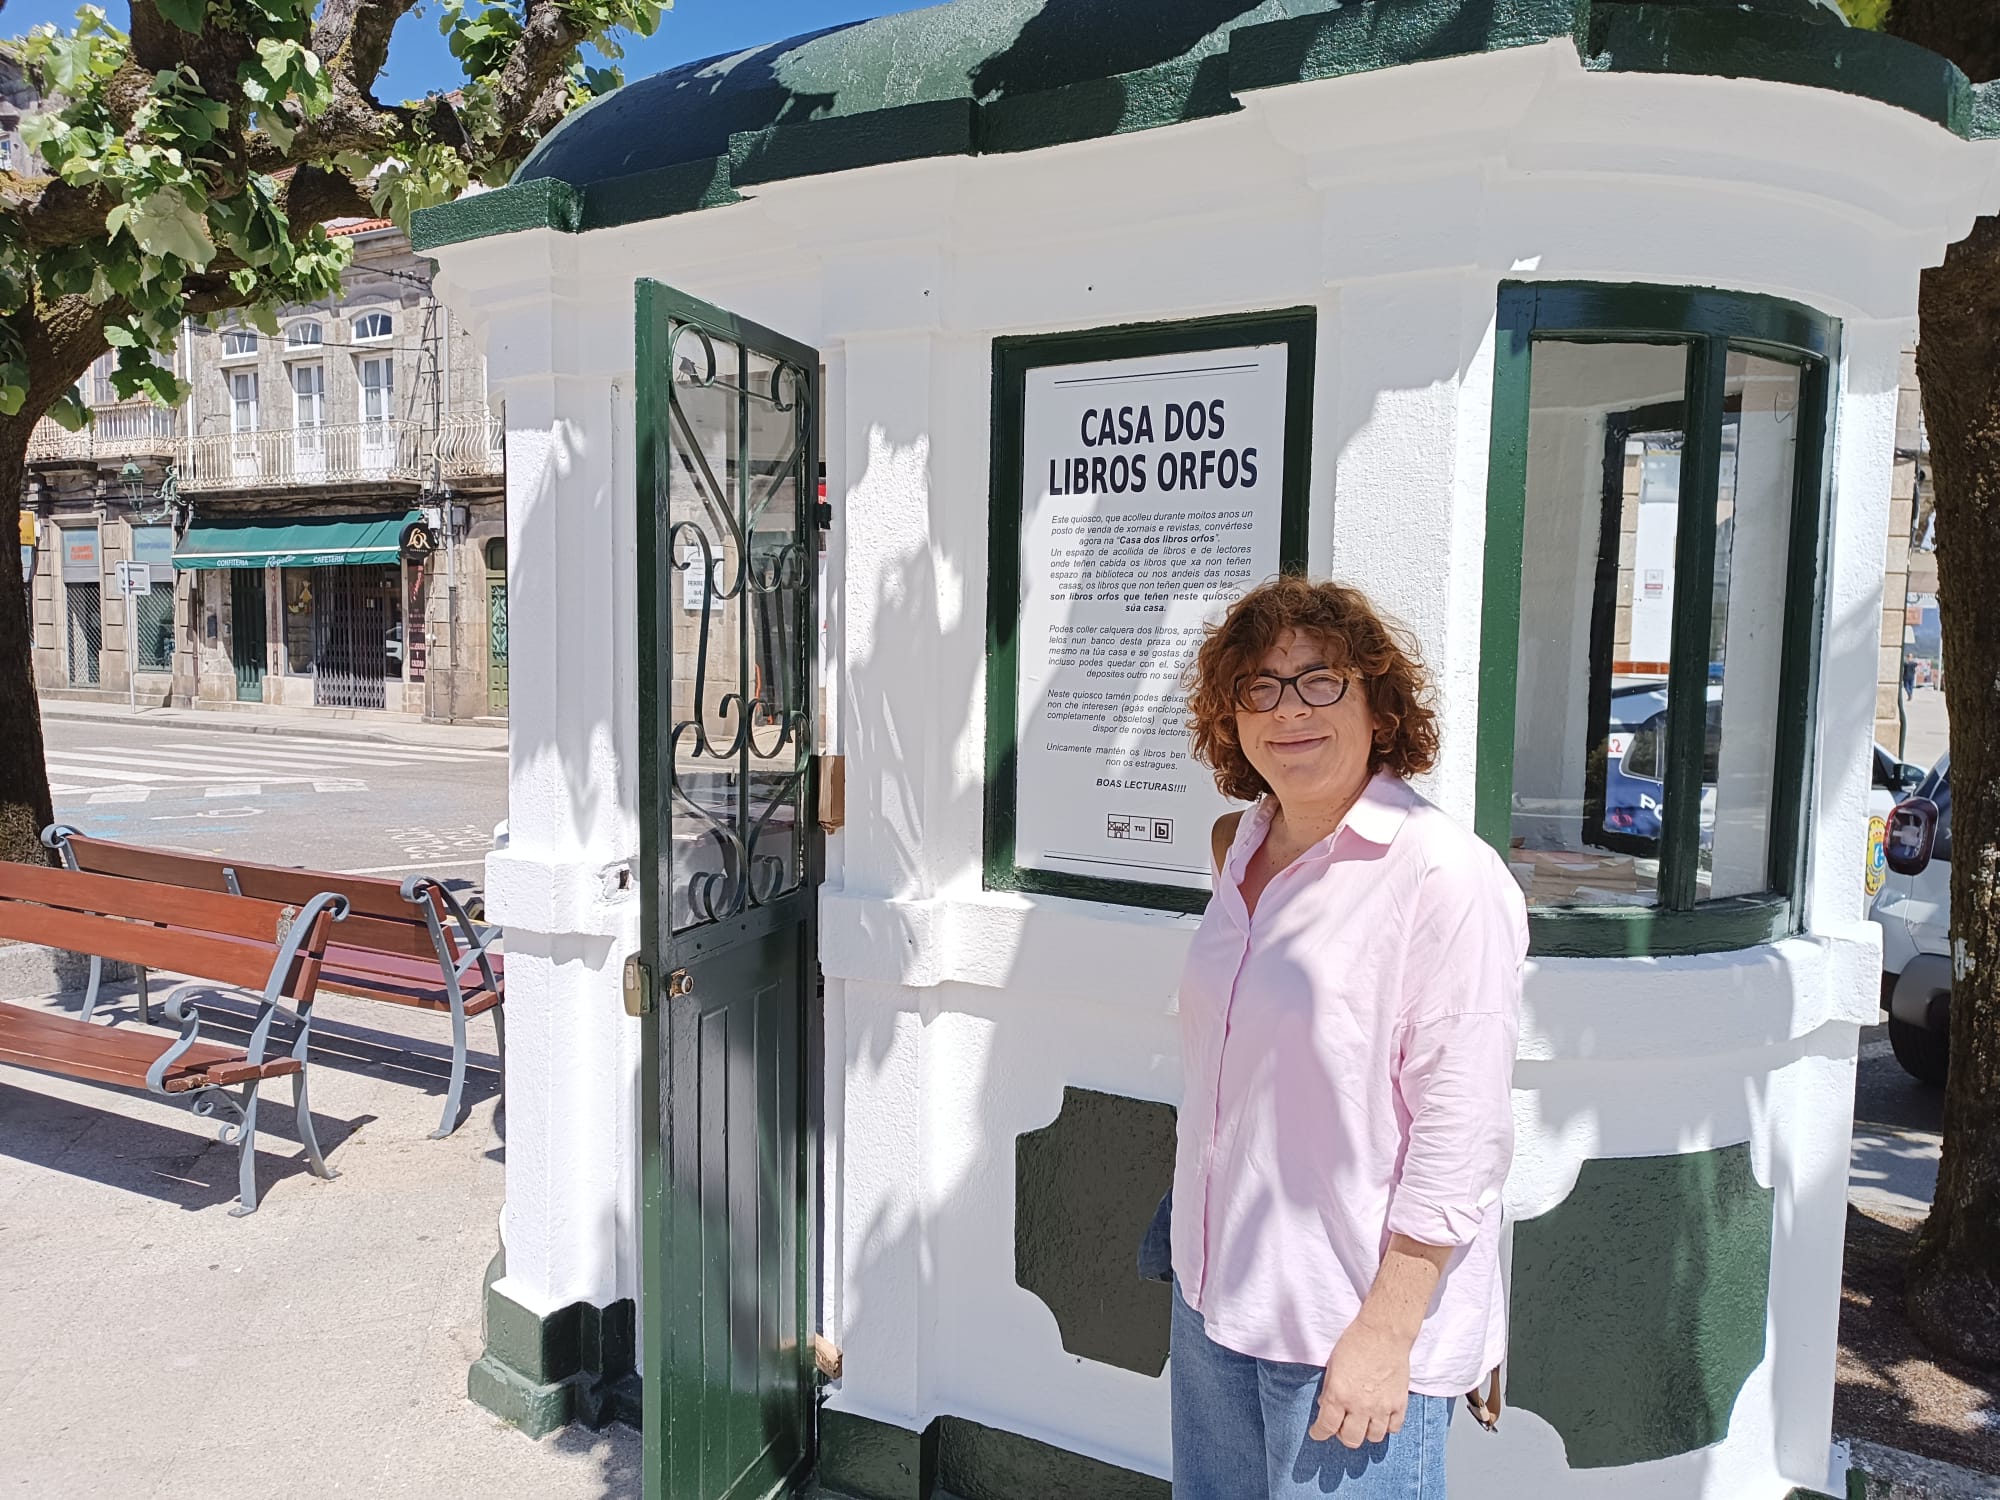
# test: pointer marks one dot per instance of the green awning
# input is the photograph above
(319, 542)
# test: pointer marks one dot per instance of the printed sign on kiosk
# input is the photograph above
(1147, 488)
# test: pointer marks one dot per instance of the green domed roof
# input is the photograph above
(986, 76)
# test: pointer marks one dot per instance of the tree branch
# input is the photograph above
(352, 39)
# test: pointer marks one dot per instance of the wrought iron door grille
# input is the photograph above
(739, 536)
(86, 633)
(355, 609)
(153, 623)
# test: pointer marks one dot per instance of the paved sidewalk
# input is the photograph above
(153, 1348)
(1891, 1474)
(324, 723)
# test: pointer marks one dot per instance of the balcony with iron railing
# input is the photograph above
(126, 429)
(465, 446)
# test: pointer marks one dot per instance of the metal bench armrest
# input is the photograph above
(56, 837)
(416, 890)
(310, 922)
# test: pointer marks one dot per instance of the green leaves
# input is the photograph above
(481, 39)
(173, 157)
(185, 14)
(66, 411)
(164, 223)
(1869, 15)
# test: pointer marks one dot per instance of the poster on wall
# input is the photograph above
(1153, 489)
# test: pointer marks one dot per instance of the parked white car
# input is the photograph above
(1913, 909)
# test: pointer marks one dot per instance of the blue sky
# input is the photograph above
(419, 62)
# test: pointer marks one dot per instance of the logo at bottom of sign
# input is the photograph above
(1139, 830)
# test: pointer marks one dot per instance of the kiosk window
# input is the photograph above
(1663, 492)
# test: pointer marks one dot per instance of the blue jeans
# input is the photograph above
(1240, 1431)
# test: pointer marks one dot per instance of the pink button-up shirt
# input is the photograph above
(1349, 1056)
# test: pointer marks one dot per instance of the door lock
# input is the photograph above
(638, 989)
(679, 983)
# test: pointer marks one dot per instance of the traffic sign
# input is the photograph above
(135, 579)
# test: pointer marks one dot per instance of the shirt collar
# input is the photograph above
(1378, 816)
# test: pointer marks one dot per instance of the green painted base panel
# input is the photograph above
(870, 1460)
(1639, 1305)
(541, 1373)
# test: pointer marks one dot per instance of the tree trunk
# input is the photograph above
(1954, 1292)
(25, 809)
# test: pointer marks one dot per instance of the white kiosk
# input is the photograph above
(854, 848)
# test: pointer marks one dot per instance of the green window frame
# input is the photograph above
(1710, 325)
(1013, 358)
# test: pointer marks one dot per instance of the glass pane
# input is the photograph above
(1601, 524)
(780, 731)
(298, 620)
(1753, 530)
(703, 600)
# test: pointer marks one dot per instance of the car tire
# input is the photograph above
(1921, 1051)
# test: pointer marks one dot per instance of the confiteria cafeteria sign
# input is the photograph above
(1151, 498)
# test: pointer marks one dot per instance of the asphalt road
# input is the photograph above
(333, 802)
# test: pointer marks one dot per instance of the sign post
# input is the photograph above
(135, 581)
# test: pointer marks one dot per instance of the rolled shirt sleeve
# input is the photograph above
(1460, 1024)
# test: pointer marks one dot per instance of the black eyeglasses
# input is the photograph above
(1317, 687)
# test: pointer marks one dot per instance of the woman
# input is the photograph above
(1348, 1020)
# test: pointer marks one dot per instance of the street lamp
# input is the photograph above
(134, 479)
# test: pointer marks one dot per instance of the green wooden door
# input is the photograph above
(246, 632)
(728, 544)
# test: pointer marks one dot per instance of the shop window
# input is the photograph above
(299, 621)
(1653, 531)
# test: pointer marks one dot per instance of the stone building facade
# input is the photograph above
(1910, 661)
(320, 522)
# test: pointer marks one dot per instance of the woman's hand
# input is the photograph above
(1367, 1386)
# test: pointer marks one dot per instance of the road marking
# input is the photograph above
(100, 773)
(252, 790)
(204, 766)
(339, 785)
(428, 864)
(283, 757)
(213, 812)
(120, 794)
(301, 745)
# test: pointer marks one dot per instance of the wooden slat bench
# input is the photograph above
(404, 944)
(273, 947)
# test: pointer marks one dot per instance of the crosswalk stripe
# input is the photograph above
(63, 768)
(372, 747)
(233, 753)
(184, 767)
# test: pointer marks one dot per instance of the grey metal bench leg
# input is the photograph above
(500, 1042)
(90, 994)
(246, 1154)
(302, 1107)
(450, 1121)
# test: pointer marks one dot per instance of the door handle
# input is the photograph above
(679, 983)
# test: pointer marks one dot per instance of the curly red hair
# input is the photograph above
(1358, 641)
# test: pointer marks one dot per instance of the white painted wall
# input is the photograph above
(1394, 204)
